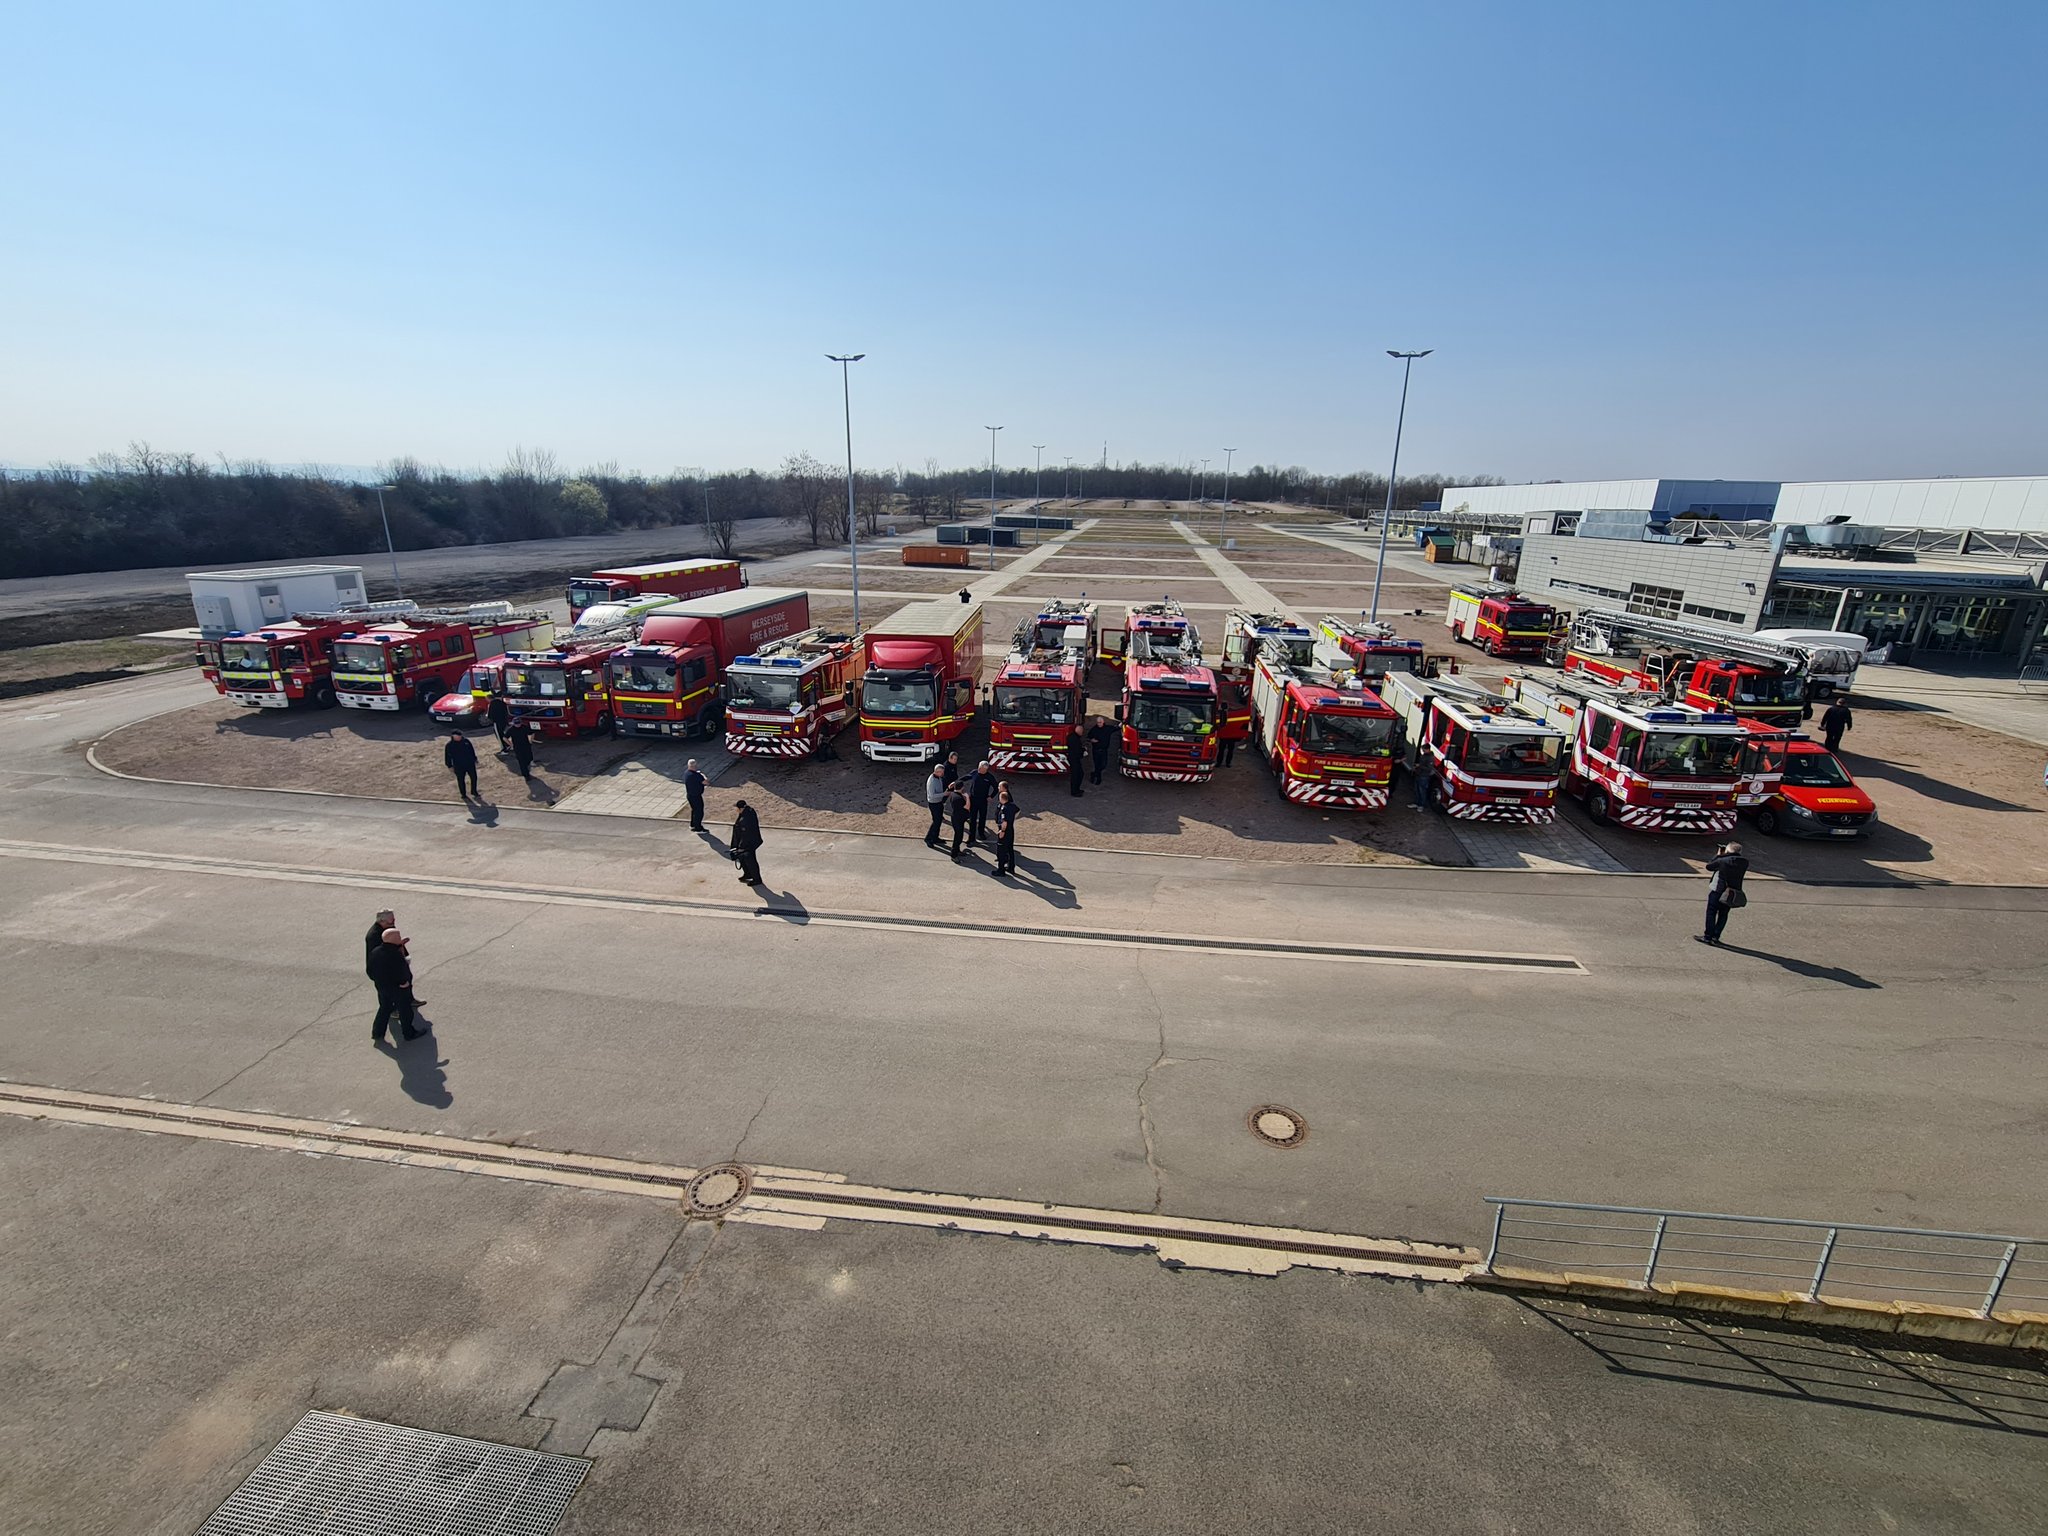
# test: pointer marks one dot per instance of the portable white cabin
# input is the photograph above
(225, 601)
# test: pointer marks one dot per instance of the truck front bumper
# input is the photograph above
(261, 700)
(383, 701)
(899, 751)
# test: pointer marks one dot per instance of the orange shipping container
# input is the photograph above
(935, 554)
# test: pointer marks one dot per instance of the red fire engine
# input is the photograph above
(791, 697)
(1157, 632)
(1715, 669)
(1499, 620)
(1488, 758)
(671, 682)
(415, 659)
(680, 579)
(290, 663)
(1245, 637)
(923, 676)
(562, 692)
(1042, 692)
(1638, 760)
(1169, 715)
(1374, 649)
(1330, 741)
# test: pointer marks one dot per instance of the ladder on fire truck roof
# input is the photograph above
(805, 645)
(1609, 626)
(415, 617)
(352, 613)
(1335, 628)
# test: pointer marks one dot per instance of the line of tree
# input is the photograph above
(146, 507)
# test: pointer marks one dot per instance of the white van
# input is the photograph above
(1832, 657)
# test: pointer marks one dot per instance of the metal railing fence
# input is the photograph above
(1978, 1272)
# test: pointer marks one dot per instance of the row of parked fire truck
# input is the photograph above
(1655, 724)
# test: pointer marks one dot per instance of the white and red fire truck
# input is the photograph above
(1691, 663)
(1499, 620)
(1374, 649)
(1245, 636)
(563, 692)
(1041, 693)
(416, 659)
(671, 681)
(1488, 758)
(1169, 716)
(1330, 739)
(790, 697)
(1639, 760)
(290, 663)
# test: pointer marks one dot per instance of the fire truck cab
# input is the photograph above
(792, 696)
(1330, 741)
(1499, 620)
(1638, 760)
(1158, 632)
(563, 692)
(1488, 758)
(1169, 715)
(1041, 693)
(679, 580)
(1246, 636)
(416, 659)
(1374, 650)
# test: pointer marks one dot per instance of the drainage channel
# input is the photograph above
(1286, 949)
(793, 1198)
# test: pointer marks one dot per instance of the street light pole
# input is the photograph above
(1038, 490)
(390, 548)
(992, 431)
(1224, 522)
(852, 529)
(1205, 479)
(1067, 485)
(1407, 360)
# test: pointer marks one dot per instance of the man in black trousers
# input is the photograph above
(392, 972)
(693, 790)
(1101, 741)
(746, 843)
(981, 789)
(959, 813)
(1077, 760)
(520, 734)
(460, 756)
(500, 715)
(1006, 832)
(1836, 721)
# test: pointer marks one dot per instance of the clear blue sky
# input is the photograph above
(1799, 241)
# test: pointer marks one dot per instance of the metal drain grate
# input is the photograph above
(337, 1476)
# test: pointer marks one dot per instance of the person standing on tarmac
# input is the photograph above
(1728, 866)
(693, 791)
(392, 972)
(1006, 832)
(1835, 722)
(1077, 765)
(746, 843)
(962, 816)
(520, 734)
(935, 802)
(499, 713)
(460, 756)
(1101, 741)
(981, 788)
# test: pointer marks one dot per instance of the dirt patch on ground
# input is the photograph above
(342, 751)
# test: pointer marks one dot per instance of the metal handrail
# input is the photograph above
(1659, 1242)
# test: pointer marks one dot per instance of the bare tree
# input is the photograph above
(723, 521)
(807, 489)
(875, 495)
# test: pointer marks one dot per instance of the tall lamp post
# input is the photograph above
(852, 531)
(390, 548)
(992, 431)
(1224, 521)
(1407, 360)
(1067, 485)
(1038, 490)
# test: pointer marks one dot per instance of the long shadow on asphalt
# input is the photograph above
(1807, 968)
(419, 1068)
(1917, 1378)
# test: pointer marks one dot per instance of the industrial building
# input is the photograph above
(1950, 572)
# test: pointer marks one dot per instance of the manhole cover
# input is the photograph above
(1276, 1126)
(334, 1473)
(717, 1190)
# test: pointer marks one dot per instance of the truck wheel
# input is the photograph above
(323, 697)
(1598, 805)
(1767, 821)
(604, 722)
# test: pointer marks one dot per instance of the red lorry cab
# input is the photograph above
(670, 682)
(681, 579)
(923, 674)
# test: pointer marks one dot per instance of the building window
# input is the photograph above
(1721, 615)
(1587, 586)
(1657, 602)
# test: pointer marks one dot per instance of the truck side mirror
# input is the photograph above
(1117, 714)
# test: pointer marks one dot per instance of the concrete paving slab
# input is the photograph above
(648, 785)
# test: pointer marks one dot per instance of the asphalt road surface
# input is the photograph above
(607, 987)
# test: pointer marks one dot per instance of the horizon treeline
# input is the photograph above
(147, 507)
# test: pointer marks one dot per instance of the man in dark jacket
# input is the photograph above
(1835, 722)
(392, 972)
(460, 756)
(962, 817)
(1727, 867)
(520, 734)
(1006, 832)
(981, 789)
(385, 920)
(746, 843)
(1101, 741)
(499, 713)
(1077, 760)
(693, 791)
(952, 769)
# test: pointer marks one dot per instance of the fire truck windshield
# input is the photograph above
(245, 655)
(899, 693)
(644, 674)
(541, 682)
(1687, 755)
(1358, 735)
(1504, 754)
(1528, 619)
(1815, 770)
(762, 690)
(1769, 688)
(358, 658)
(583, 593)
(1017, 705)
(1151, 712)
